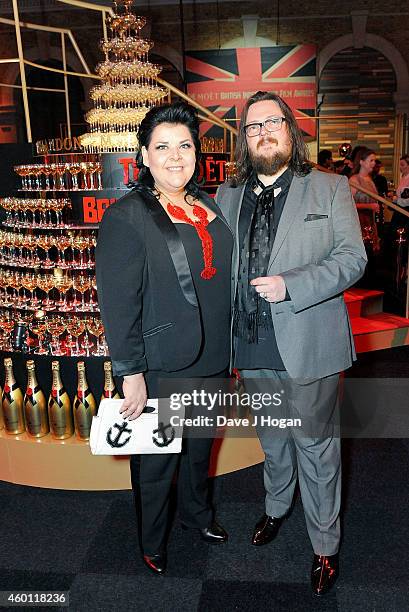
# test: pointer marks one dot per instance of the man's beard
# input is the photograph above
(269, 164)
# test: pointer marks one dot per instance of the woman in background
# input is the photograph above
(368, 207)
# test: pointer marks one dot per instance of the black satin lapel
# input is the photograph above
(175, 246)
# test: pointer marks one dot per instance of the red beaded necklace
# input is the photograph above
(201, 228)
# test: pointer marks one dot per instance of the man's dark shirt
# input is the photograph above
(265, 353)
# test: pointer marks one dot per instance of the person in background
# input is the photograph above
(379, 179)
(163, 262)
(298, 246)
(402, 190)
(339, 166)
(364, 164)
(368, 207)
(325, 159)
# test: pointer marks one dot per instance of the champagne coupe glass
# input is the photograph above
(3, 290)
(24, 207)
(15, 220)
(46, 283)
(61, 169)
(94, 295)
(92, 169)
(56, 327)
(29, 282)
(38, 326)
(8, 244)
(23, 259)
(81, 243)
(57, 206)
(63, 284)
(69, 341)
(37, 170)
(86, 343)
(26, 252)
(7, 204)
(96, 328)
(7, 299)
(98, 168)
(21, 172)
(12, 247)
(44, 242)
(54, 172)
(2, 245)
(62, 243)
(31, 245)
(82, 283)
(75, 169)
(32, 206)
(47, 171)
(42, 208)
(15, 284)
(29, 172)
(92, 243)
(76, 327)
(86, 170)
(7, 323)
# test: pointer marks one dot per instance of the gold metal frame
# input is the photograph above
(66, 33)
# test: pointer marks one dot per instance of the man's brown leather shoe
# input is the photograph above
(266, 530)
(324, 573)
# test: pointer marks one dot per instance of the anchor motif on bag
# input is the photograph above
(161, 431)
(114, 442)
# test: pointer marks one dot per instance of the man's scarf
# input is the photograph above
(251, 311)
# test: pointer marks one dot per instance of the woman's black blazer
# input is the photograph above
(145, 290)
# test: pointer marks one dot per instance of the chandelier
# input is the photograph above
(128, 88)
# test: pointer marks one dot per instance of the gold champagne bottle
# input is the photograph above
(35, 405)
(59, 407)
(110, 390)
(12, 404)
(84, 405)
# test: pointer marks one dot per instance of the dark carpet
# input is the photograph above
(86, 542)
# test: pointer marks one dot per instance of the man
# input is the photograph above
(298, 246)
(325, 159)
(379, 179)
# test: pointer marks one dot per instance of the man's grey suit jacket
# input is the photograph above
(319, 252)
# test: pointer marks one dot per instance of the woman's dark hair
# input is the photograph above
(299, 155)
(405, 158)
(178, 113)
(362, 154)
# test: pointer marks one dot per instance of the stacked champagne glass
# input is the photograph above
(47, 265)
(128, 88)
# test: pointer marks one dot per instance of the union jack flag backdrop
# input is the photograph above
(222, 80)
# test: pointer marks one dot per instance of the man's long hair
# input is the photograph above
(299, 156)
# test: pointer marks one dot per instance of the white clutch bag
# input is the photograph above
(112, 435)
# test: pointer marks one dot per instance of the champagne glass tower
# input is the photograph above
(128, 88)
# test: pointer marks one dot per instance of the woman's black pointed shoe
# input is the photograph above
(214, 534)
(156, 563)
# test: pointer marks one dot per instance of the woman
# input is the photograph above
(402, 191)
(163, 273)
(367, 206)
(362, 175)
